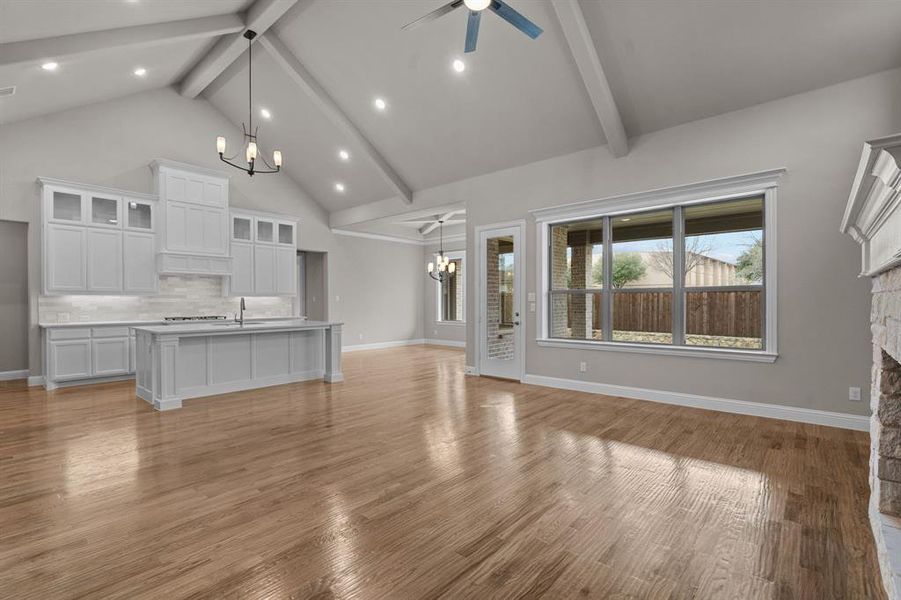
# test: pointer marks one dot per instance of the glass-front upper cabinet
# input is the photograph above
(104, 211)
(139, 215)
(65, 206)
(265, 231)
(241, 228)
(286, 233)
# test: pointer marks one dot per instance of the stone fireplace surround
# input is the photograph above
(873, 219)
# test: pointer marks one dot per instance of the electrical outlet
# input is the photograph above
(337, 298)
(582, 367)
(531, 297)
(854, 394)
(361, 336)
(434, 332)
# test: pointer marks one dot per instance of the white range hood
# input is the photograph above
(194, 208)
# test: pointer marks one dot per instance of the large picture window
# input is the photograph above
(690, 275)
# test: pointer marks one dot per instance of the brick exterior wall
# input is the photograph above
(500, 343)
(582, 305)
(558, 302)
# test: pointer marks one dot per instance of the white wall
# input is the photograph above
(823, 307)
(112, 143)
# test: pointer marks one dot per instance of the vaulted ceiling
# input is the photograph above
(324, 62)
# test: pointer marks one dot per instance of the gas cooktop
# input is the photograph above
(195, 318)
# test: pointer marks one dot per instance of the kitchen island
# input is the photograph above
(178, 362)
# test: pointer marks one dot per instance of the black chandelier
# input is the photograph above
(251, 152)
(445, 269)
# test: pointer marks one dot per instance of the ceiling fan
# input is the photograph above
(476, 7)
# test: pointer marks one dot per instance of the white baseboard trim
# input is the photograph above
(470, 370)
(380, 345)
(34, 380)
(451, 343)
(10, 375)
(741, 407)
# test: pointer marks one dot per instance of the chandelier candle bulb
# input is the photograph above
(220, 145)
(431, 267)
(251, 151)
(277, 158)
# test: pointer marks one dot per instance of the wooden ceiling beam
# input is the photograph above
(583, 50)
(55, 48)
(259, 17)
(308, 84)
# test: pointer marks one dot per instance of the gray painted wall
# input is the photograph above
(824, 336)
(112, 143)
(13, 296)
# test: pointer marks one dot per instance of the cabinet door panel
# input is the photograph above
(264, 269)
(110, 356)
(241, 282)
(66, 260)
(284, 271)
(214, 230)
(140, 262)
(104, 261)
(176, 227)
(70, 359)
(194, 227)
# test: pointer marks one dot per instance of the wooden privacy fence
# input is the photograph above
(732, 313)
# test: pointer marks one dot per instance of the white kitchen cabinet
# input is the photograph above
(264, 255)
(109, 356)
(105, 260)
(70, 359)
(285, 269)
(241, 281)
(88, 354)
(194, 205)
(140, 263)
(97, 240)
(65, 259)
(264, 270)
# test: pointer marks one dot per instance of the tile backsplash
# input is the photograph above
(179, 295)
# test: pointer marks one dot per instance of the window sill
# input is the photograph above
(452, 323)
(719, 353)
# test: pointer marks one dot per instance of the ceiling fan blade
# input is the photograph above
(516, 19)
(472, 30)
(438, 12)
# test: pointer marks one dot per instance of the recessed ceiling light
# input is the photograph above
(339, 187)
(380, 103)
(264, 112)
(625, 219)
(140, 71)
(49, 66)
(343, 154)
(459, 65)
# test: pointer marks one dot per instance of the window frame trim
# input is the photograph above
(763, 183)
(452, 255)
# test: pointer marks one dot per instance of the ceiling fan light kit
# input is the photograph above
(476, 8)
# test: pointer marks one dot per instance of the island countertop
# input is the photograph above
(232, 327)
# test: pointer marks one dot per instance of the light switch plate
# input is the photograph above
(854, 394)
(531, 297)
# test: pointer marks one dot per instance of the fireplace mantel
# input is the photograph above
(872, 216)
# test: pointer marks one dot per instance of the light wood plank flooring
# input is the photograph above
(410, 480)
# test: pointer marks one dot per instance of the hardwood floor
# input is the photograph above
(410, 480)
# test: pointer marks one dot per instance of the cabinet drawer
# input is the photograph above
(108, 332)
(73, 333)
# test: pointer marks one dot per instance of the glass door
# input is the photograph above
(500, 299)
